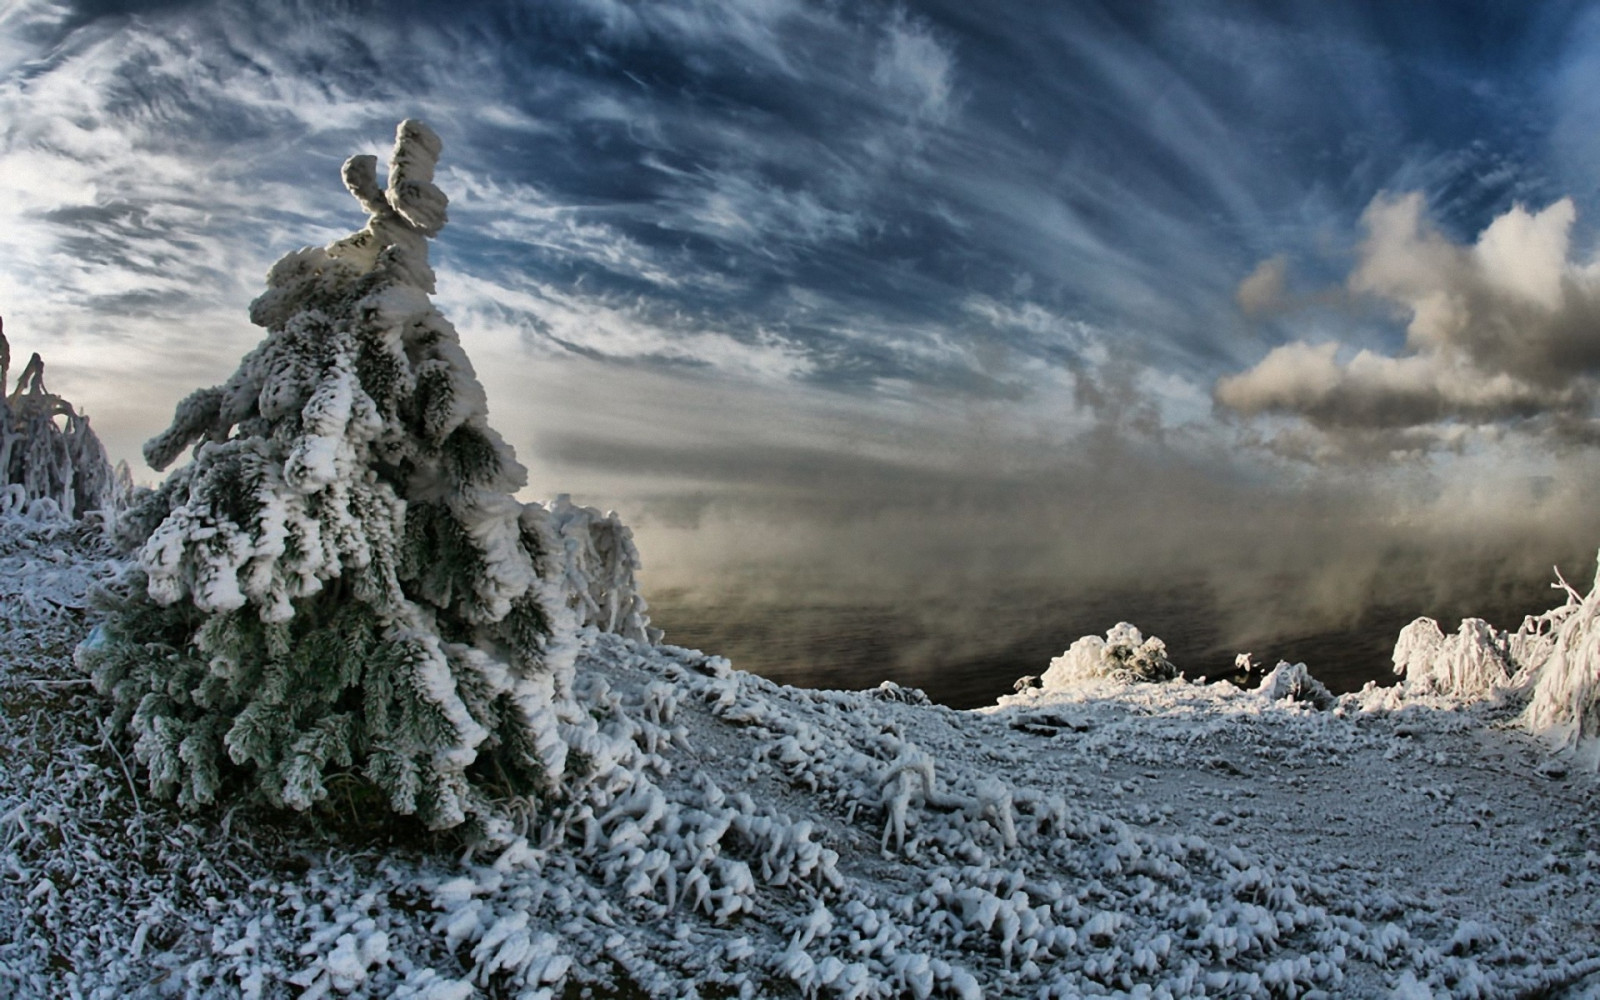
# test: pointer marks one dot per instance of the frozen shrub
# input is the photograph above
(1531, 645)
(1294, 682)
(340, 581)
(598, 561)
(47, 449)
(890, 691)
(1124, 654)
(1562, 648)
(1473, 663)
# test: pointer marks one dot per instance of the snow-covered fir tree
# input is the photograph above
(340, 582)
(48, 450)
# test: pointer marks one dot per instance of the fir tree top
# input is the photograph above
(360, 381)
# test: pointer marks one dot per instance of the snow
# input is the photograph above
(720, 835)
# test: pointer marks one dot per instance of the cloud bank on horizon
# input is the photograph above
(879, 253)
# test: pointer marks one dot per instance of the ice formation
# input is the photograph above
(340, 582)
(48, 451)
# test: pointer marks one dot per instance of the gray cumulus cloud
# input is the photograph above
(1502, 333)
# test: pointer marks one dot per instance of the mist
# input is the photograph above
(828, 542)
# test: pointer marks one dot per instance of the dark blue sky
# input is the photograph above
(710, 251)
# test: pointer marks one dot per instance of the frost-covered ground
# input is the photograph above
(736, 838)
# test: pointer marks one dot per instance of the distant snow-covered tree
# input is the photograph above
(48, 450)
(340, 580)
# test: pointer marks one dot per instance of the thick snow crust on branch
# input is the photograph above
(47, 449)
(340, 581)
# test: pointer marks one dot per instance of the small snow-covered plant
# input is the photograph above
(598, 563)
(1473, 663)
(340, 581)
(1294, 682)
(1124, 655)
(47, 449)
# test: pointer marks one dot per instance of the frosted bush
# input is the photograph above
(1553, 660)
(1532, 645)
(1294, 682)
(598, 563)
(1562, 649)
(1124, 654)
(48, 450)
(1473, 663)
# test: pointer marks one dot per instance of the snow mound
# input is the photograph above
(1123, 655)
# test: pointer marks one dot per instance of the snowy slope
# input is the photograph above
(731, 837)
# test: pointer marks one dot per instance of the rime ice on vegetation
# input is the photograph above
(599, 561)
(1473, 663)
(49, 452)
(340, 579)
(727, 836)
(1559, 657)
(1550, 667)
(1123, 655)
(1294, 682)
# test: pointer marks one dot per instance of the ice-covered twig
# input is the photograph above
(1573, 597)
